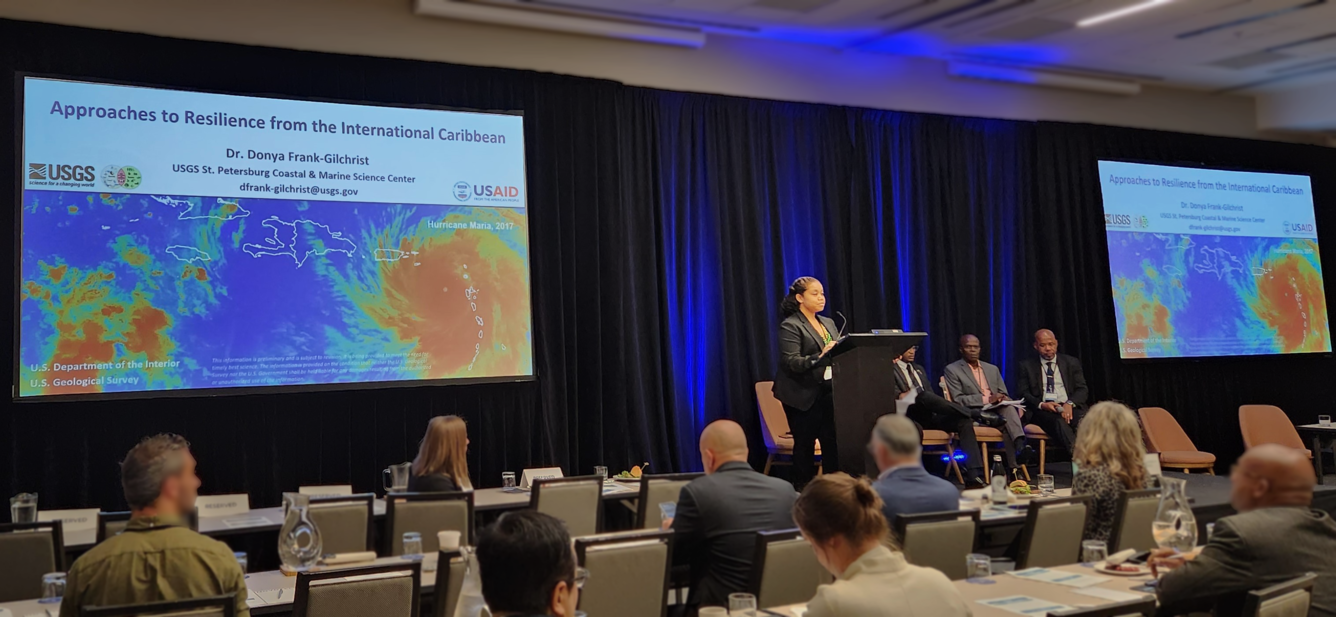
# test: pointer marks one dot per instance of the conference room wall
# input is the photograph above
(664, 227)
(729, 65)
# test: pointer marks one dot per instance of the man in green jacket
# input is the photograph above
(157, 557)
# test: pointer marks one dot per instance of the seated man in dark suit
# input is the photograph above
(934, 412)
(1277, 536)
(718, 515)
(1053, 387)
(904, 485)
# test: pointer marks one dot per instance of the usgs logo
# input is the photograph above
(1118, 220)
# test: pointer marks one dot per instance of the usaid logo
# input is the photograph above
(463, 191)
(493, 193)
(1298, 228)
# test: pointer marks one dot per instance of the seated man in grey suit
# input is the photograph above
(976, 384)
(718, 515)
(1053, 387)
(904, 485)
(1275, 537)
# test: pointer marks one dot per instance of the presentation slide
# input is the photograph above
(1208, 262)
(177, 240)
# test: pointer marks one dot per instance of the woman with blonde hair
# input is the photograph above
(1109, 455)
(842, 519)
(441, 464)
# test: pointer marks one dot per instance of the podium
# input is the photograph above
(864, 390)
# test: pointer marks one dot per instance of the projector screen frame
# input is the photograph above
(20, 78)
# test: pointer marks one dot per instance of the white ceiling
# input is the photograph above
(1217, 45)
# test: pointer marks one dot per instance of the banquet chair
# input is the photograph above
(1268, 424)
(112, 523)
(427, 514)
(1165, 436)
(383, 590)
(212, 606)
(576, 501)
(1053, 532)
(628, 573)
(1144, 607)
(938, 540)
(784, 569)
(1132, 521)
(1288, 599)
(27, 551)
(346, 523)
(450, 568)
(657, 489)
(775, 430)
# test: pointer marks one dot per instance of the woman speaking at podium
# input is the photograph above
(803, 381)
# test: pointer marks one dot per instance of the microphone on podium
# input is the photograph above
(842, 326)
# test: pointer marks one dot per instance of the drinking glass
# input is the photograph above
(1324, 420)
(53, 587)
(23, 508)
(601, 472)
(667, 510)
(978, 565)
(508, 480)
(243, 560)
(741, 605)
(1045, 484)
(1094, 551)
(412, 545)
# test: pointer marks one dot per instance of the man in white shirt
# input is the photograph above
(1053, 387)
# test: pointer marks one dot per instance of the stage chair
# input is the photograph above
(112, 523)
(1165, 436)
(212, 606)
(450, 568)
(426, 513)
(628, 573)
(775, 430)
(1132, 521)
(1288, 599)
(785, 570)
(1035, 433)
(27, 551)
(1268, 424)
(576, 501)
(1053, 532)
(655, 490)
(1145, 607)
(385, 590)
(934, 439)
(938, 540)
(346, 523)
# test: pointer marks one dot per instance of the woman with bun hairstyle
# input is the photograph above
(842, 519)
(802, 382)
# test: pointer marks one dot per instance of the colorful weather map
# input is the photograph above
(1202, 295)
(138, 292)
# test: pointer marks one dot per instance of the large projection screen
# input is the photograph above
(1212, 262)
(177, 242)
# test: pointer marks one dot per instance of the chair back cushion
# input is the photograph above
(774, 424)
(1292, 604)
(24, 557)
(941, 545)
(574, 503)
(1134, 531)
(343, 527)
(384, 596)
(660, 491)
(426, 518)
(790, 574)
(454, 584)
(1268, 424)
(111, 528)
(1057, 534)
(626, 580)
(1163, 431)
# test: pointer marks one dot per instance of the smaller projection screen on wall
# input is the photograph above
(1209, 262)
(178, 241)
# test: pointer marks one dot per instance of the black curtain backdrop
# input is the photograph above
(664, 227)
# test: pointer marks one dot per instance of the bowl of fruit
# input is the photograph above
(633, 475)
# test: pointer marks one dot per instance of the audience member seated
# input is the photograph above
(934, 412)
(719, 514)
(842, 519)
(1109, 456)
(157, 557)
(1054, 389)
(527, 566)
(904, 485)
(441, 464)
(1276, 537)
(977, 384)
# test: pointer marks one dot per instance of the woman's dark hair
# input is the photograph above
(521, 558)
(838, 505)
(789, 305)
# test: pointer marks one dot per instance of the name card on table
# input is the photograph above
(212, 506)
(1152, 463)
(331, 490)
(71, 520)
(542, 473)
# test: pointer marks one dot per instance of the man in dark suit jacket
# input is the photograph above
(931, 411)
(718, 515)
(1276, 537)
(904, 485)
(1053, 387)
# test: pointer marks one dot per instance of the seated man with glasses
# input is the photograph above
(527, 567)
